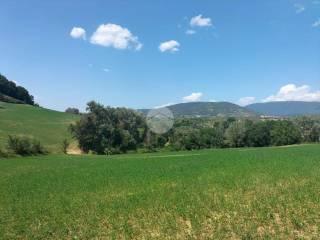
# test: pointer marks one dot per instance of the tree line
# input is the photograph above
(106, 130)
(9, 88)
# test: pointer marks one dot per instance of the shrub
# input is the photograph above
(25, 146)
(65, 145)
(3, 153)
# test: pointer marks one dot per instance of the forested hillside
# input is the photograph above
(208, 109)
(10, 92)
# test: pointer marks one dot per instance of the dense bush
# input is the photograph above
(25, 146)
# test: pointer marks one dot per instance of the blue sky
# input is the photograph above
(238, 51)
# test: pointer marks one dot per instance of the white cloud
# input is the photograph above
(78, 32)
(164, 105)
(299, 8)
(193, 97)
(190, 32)
(316, 23)
(170, 46)
(200, 21)
(246, 101)
(106, 70)
(112, 35)
(292, 92)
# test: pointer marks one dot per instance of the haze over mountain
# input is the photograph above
(286, 108)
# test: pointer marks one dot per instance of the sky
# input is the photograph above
(144, 54)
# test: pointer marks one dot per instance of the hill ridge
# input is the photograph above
(207, 109)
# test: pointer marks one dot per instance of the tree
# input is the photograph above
(258, 134)
(315, 133)
(212, 137)
(284, 133)
(186, 138)
(106, 130)
(306, 124)
(72, 110)
(236, 133)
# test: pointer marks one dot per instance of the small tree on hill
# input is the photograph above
(72, 111)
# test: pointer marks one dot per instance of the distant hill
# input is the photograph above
(48, 126)
(290, 108)
(208, 109)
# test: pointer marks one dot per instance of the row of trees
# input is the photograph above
(105, 130)
(10, 89)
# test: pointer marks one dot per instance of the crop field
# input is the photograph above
(265, 193)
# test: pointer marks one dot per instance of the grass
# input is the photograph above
(48, 126)
(266, 193)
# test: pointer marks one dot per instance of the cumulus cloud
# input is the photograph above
(113, 35)
(170, 46)
(190, 32)
(291, 92)
(299, 8)
(316, 23)
(199, 21)
(246, 101)
(193, 97)
(78, 32)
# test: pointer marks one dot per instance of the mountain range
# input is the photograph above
(208, 109)
(227, 109)
(289, 108)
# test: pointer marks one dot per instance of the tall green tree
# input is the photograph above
(236, 134)
(106, 130)
(285, 133)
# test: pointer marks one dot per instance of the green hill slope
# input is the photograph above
(208, 109)
(48, 126)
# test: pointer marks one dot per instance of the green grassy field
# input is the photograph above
(48, 126)
(267, 193)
